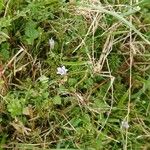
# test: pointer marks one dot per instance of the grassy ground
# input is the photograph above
(75, 75)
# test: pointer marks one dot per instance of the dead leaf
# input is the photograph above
(19, 126)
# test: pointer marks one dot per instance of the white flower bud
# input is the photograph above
(51, 43)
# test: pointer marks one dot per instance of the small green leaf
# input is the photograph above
(57, 100)
(43, 79)
(76, 121)
(1, 4)
(4, 53)
(123, 99)
(31, 32)
(15, 108)
(5, 22)
(3, 36)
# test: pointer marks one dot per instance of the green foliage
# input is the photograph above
(57, 100)
(84, 108)
(15, 106)
(4, 52)
(1, 5)
(31, 33)
(115, 61)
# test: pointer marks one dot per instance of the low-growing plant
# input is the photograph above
(74, 74)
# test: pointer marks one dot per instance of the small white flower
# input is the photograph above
(51, 43)
(62, 70)
(125, 124)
